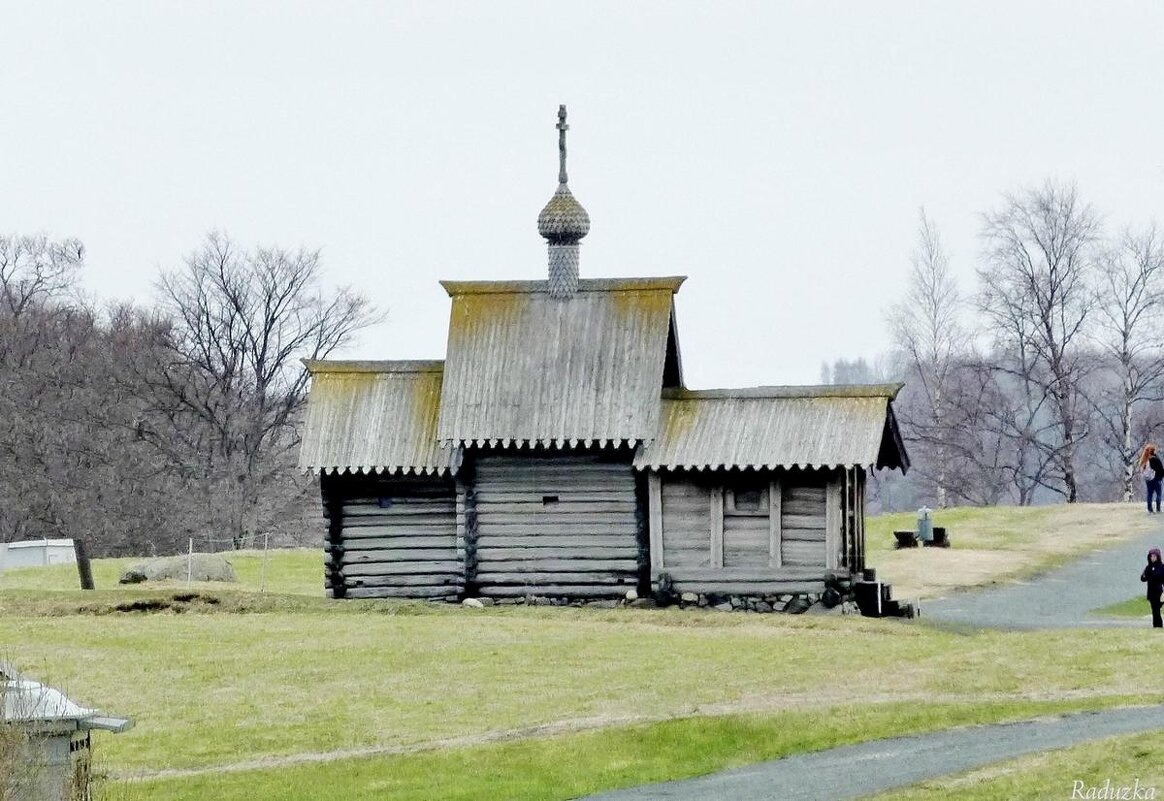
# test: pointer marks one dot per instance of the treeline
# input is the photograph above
(1042, 382)
(137, 427)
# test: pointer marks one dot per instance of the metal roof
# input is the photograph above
(525, 367)
(28, 702)
(769, 427)
(374, 417)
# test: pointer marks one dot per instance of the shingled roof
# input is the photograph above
(525, 367)
(770, 427)
(377, 416)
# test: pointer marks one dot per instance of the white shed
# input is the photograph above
(36, 553)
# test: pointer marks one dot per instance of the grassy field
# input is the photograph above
(1133, 607)
(996, 544)
(288, 695)
(1120, 760)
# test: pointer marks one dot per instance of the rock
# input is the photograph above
(763, 606)
(643, 603)
(780, 606)
(472, 603)
(735, 602)
(689, 598)
(202, 567)
(724, 607)
(509, 601)
(486, 601)
(703, 600)
(631, 596)
(607, 604)
(797, 605)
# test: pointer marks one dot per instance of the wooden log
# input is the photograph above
(517, 563)
(358, 526)
(555, 590)
(805, 521)
(449, 583)
(565, 502)
(488, 554)
(399, 543)
(804, 553)
(399, 555)
(749, 574)
(674, 558)
(804, 534)
(587, 541)
(449, 568)
(536, 579)
(748, 588)
(427, 593)
(84, 566)
(559, 517)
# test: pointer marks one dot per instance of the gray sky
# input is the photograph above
(775, 153)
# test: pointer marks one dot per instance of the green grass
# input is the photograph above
(1133, 607)
(210, 689)
(1120, 760)
(535, 770)
(297, 571)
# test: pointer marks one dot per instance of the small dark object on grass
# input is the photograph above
(940, 540)
(905, 539)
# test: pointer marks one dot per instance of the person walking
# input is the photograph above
(1153, 575)
(1152, 469)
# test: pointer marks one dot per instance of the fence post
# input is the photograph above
(84, 567)
(263, 580)
(190, 563)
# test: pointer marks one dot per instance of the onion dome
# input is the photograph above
(563, 221)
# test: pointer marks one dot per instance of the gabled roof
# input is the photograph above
(374, 417)
(524, 367)
(769, 427)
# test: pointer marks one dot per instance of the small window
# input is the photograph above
(549, 500)
(746, 500)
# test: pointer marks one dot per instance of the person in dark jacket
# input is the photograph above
(1153, 575)
(1153, 470)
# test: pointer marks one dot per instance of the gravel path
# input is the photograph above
(1062, 598)
(872, 767)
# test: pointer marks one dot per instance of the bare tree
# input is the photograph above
(1131, 292)
(927, 330)
(1040, 270)
(234, 387)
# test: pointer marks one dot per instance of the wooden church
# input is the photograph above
(557, 452)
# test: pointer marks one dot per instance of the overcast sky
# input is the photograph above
(775, 153)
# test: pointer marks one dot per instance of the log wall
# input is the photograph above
(392, 538)
(560, 525)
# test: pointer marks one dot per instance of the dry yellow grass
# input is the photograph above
(997, 544)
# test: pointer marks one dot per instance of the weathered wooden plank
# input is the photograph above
(801, 507)
(443, 498)
(805, 534)
(399, 555)
(555, 590)
(805, 521)
(490, 554)
(558, 577)
(749, 588)
(804, 553)
(450, 583)
(581, 529)
(685, 558)
(359, 525)
(554, 518)
(715, 527)
(588, 542)
(833, 524)
(443, 568)
(798, 493)
(428, 593)
(402, 542)
(775, 522)
(745, 574)
(564, 503)
(748, 523)
(489, 562)
(492, 496)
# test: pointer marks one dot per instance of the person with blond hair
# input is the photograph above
(1152, 469)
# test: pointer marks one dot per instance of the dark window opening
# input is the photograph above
(749, 500)
(549, 499)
